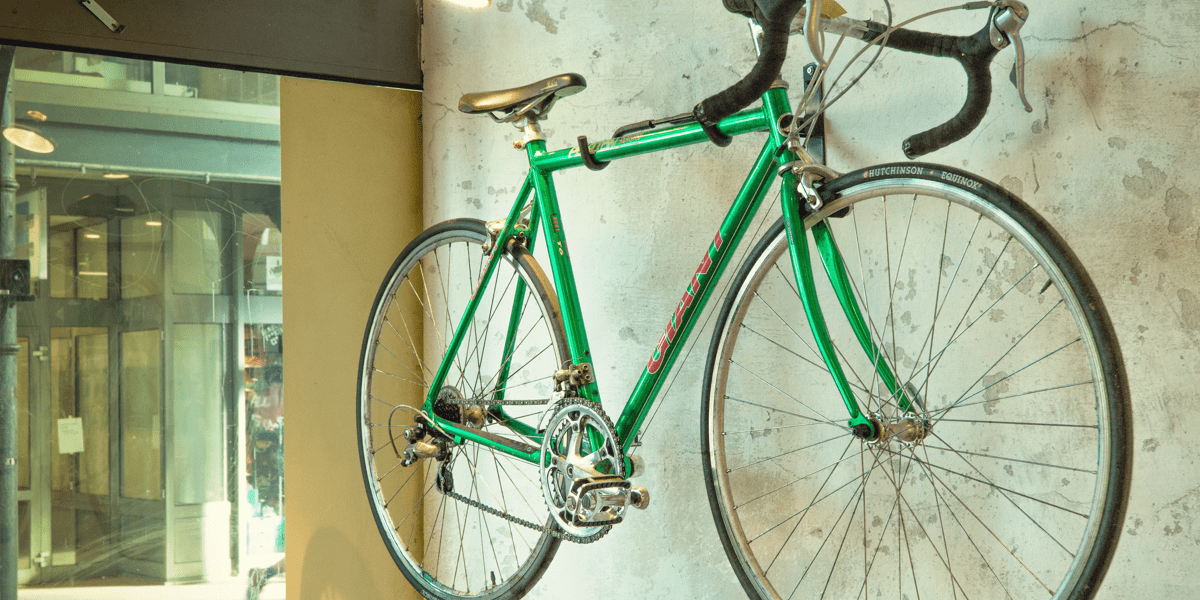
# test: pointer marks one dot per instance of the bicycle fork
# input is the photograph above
(860, 424)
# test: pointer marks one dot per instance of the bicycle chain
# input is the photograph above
(487, 403)
(562, 535)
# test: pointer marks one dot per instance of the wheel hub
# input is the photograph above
(907, 428)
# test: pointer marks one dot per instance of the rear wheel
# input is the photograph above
(1008, 478)
(431, 512)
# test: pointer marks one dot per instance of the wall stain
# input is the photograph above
(537, 13)
(1178, 207)
(1178, 514)
(994, 386)
(1116, 142)
(1150, 178)
(1134, 530)
(1014, 185)
(1150, 445)
(1189, 306)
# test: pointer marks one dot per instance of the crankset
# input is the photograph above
(583, 470)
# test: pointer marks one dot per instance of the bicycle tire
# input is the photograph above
(1020, 486)
(492, 557)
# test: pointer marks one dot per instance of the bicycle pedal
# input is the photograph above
(592, 484)
(639, 498)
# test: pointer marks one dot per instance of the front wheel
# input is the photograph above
(1009, 475)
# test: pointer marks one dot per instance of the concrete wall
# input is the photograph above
(352, 177)
(1107, 155)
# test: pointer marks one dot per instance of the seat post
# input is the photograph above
(529, 125)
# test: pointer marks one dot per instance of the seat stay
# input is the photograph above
(460, 332)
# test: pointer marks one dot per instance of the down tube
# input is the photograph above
(697, 294)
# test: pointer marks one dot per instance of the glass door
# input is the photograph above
(80, 504)
(29, 557)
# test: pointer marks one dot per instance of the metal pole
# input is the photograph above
(8, 348)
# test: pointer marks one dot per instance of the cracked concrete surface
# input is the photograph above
(1107, 156)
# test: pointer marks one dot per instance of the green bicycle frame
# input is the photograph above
(538, 193)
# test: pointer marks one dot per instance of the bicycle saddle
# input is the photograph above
(534, 99)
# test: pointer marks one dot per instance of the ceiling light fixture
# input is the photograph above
(473, 3)
(92, 236)
(23, 136)
(115, 176)
(154, 223)
(37, 115)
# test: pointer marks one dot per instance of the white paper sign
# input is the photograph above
(274, 273)
(70, 435)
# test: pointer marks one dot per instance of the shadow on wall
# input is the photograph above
(328, 550)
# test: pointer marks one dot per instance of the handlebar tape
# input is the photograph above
(975, 54)
(775, 17)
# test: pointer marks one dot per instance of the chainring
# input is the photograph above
(579, 472)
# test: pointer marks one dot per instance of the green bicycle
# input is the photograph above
(983, 451)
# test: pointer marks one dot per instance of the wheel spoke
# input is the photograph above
(457, 548)
(947, 504)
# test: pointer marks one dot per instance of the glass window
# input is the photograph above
(23, 527)
(62, 264)
(198, 400)
(264, 452)
(196, 252)
(84, 70)
(155, 219)
(91, 351)
(142, 256)
(221, 84)
(23, 414)
(62, 394)
(91, 261)
(141, 414)
(262, 255)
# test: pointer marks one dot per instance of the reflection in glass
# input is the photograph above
(198, 401)
(92, 378)
(142, 256)
(141, 414)
(84, 70)
(23, 522)
(62, 264)
(91, 261)
(23, 414)
(62, 395)
(264, 433)
(230, 86)
(262, 255)
(196, 252)
(154, 476)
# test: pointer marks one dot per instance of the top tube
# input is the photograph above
(643, 142)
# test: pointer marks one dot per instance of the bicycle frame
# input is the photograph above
(774, 114)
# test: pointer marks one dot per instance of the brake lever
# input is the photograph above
(1006, 26)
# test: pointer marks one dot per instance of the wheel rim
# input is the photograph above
(905, 518)
(442, 544)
